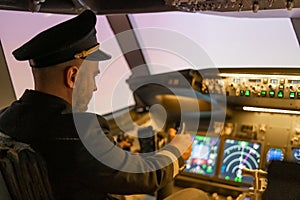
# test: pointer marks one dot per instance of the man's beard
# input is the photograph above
(80, 103)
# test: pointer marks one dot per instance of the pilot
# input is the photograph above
(83, 160)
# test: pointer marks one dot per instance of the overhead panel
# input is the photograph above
(232, 5)
(138, 6)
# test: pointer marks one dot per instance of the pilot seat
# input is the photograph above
(23, 172)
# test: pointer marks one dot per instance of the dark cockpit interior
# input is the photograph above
(225, 71)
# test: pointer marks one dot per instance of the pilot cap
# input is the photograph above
(75, 38)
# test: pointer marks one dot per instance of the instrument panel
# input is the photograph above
(262, 124)
(254, 85)
(237, 155)
(254, 140)
(249, 138)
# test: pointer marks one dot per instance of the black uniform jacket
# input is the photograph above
(47, 124)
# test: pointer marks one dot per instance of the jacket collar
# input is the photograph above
(40, 98)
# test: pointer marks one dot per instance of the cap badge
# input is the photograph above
(85, 53)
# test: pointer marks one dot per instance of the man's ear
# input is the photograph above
(71, 73)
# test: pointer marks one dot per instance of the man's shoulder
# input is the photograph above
(85, 118)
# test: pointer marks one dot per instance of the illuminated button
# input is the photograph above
(263, 93)
(247, 93)
(209, 170)
(292, 95)
(272, 93)
(280, 94)
(238, 179)
(242, 92)
(281, 87)
(298, 95)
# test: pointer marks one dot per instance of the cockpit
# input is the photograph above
(226, 72)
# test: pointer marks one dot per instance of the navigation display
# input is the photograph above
(204, 156)
(237, 155)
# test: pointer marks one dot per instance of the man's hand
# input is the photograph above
(183, 143)
(187, 153)
(171, 134)
(124, 144)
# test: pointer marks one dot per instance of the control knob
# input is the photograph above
(272, 86)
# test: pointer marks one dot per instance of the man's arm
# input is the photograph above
(114, 170)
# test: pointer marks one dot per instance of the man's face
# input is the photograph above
(85, 85)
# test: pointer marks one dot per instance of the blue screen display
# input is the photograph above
(275, 154)
(296, 155)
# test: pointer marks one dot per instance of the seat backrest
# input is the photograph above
(283, 181)
(24, 171)
(4, 195)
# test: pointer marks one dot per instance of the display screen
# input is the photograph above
(275, 81)
(237, 155)
(236, 80)
(275, 154)
(255, 80)
(295, 81)
(204, 155)
(296, 155)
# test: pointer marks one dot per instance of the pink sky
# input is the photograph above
(229, 42)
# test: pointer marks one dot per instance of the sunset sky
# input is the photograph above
(216, 40)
